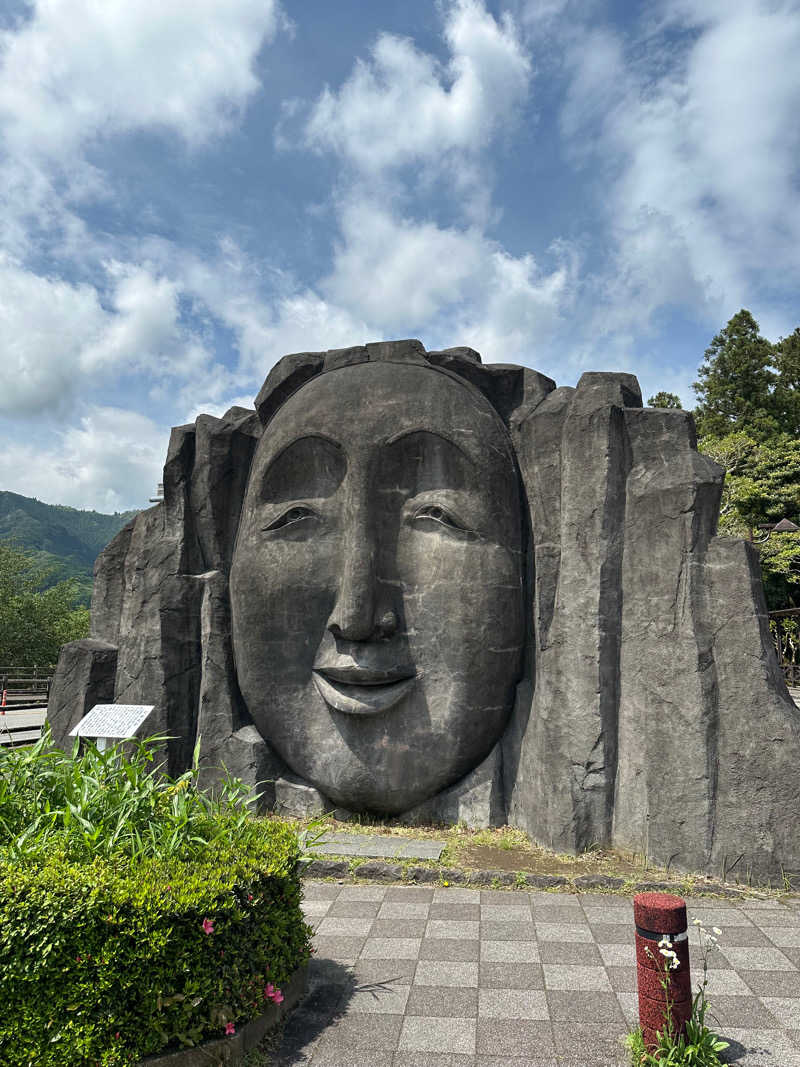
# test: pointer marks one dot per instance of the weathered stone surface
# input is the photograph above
(474, 801)
(375, 871)
(757, 743)
(84, 677)
(531, 572)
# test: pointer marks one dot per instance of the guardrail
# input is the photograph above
(21, 726)
(25, 686)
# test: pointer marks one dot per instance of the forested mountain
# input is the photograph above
(64, 540)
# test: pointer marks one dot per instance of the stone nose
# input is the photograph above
(360, 612)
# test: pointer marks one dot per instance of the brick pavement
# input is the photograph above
(416, 977)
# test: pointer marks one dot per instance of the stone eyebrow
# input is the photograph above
(312, 465)
(423, 433)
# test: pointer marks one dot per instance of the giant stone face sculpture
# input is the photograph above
(412, 584)
(376, 586)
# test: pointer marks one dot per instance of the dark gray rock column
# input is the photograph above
(666, 781)
(84, 677)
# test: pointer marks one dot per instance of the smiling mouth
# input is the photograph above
(362, 691)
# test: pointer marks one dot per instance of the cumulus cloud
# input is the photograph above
(57, 336)
(110, 461)
(450, 284)
(699, 162)
(402, 106)
(77, 69)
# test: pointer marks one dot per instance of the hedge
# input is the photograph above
(106, 960)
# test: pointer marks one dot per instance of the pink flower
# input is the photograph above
(229, 1029)
(208, 926)
(271, 992)
(277, 996)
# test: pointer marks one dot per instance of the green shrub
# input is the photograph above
(119, 938)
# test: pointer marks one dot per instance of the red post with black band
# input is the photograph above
(658, 916)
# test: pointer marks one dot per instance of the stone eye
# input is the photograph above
(437, 514)
(290, 517)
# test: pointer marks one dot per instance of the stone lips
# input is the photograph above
(643, 626)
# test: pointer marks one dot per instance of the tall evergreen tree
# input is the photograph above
(736, 382)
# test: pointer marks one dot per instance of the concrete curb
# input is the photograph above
(230, 1050)
(376, 871)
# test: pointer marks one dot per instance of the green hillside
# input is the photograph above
(64, 540)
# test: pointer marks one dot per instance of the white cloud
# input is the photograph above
(448, 285)
(77, 69)
(697, 163)
(402, 106)
(111, 461)
(58, 338)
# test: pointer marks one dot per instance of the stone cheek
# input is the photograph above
(597, 670)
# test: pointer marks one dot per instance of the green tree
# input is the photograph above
(787, 387)
(664, 400)
(736, 383)
(35, 623)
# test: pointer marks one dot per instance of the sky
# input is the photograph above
(190, 190)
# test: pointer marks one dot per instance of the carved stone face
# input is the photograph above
(376, 585)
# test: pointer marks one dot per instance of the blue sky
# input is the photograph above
(190, 190)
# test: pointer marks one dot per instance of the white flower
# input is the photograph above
(716, 930)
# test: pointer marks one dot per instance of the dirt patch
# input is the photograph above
(487, 857)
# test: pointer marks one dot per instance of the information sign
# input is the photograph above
(112, 721)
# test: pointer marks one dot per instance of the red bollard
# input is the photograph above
(659, 915)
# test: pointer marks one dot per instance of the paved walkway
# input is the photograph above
(418, 977)
(377, 846)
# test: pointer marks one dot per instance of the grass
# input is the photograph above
(110, 803)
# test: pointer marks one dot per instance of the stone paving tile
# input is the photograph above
(574, 976)
(465, 929)
(505, 913)
(765, 919)
(622, 979)
(617, 955)
(497, 896)
(378, 1033)
(586, 1005)
(760, 1048)
(772, 983)
(409, 893)
(560, 900)
(383, 999)
(515, 1037)
(569, 952)
(615, 916)
(320, 891)
(557, 914)
(723, 983)
(388, 972)
(757, 959)
(590, 1042)
(348, 1057)
(512, 1004)
(442, 1001)
(362, 892)
(454, 895)
(432, 1059)
(506, 931)
(453, 910)
(614, 933)
(391, 948)
(350, 909)
(510, 976)
(509, 952)
(328, 927)
(629, 1006)
(444, 973)
(718, 917)
(738, 937)
(569, 932)
(784, 936)
(744, 1011)
(436, 1034)
(338, 948)
(399, 928)
(394, 909)
(450, 950)
(785, 1009)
